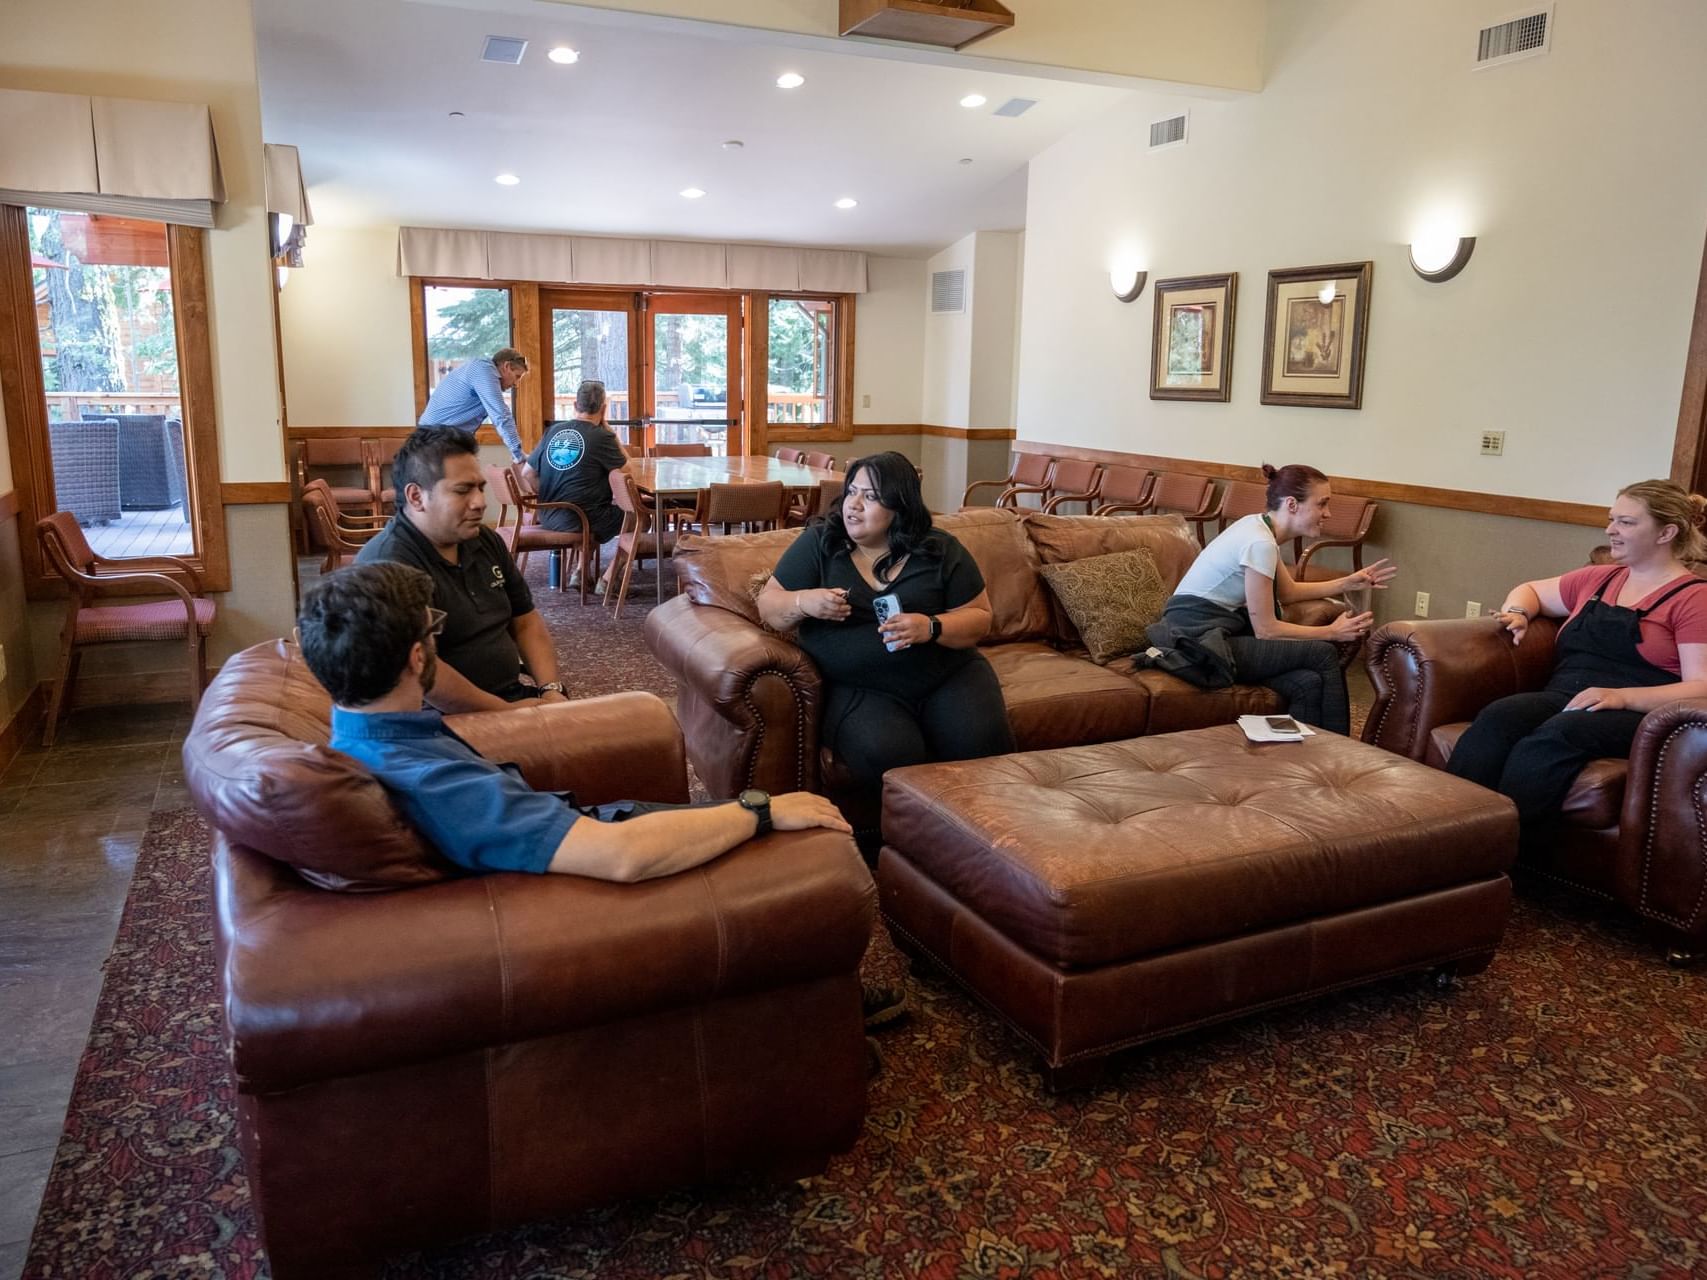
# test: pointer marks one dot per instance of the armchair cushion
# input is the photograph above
(1110, 598)
(1595, 799)
(156, 620)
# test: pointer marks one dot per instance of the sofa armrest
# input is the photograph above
(319, 985)
(1663, 828)
(1427, 674)
(622, 746)
(749, 700)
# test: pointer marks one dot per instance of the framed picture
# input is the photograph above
(1315, 335)
(1191, 347)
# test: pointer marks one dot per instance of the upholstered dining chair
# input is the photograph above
(681, 451)
(519, 503)
(1190, 496)
(1347, 525)
(815, 502)
(186, 618)
(754, 507)
(1240, 498)
(823, 461)
(637, 541)
(1124, 489)
(381, 451)
(788, 455)
(1029, 474)
(343, 536)
(1075, 481)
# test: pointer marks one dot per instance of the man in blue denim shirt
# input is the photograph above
(474, 392)
(367, 633)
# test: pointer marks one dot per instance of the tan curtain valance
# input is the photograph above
(285, 190)
(608, 260)
(67, 149)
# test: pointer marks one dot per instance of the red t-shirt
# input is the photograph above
(1680, 620)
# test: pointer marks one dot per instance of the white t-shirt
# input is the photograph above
(1218, 573)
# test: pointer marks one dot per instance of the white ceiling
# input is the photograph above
(605, 145)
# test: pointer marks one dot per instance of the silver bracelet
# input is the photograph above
(1517, 609)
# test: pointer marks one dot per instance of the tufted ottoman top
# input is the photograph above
(1094, 855)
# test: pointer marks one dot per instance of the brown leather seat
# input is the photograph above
(1103, 896)
(1631, 830)
(450, 1054)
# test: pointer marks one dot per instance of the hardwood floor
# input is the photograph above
(71, 819)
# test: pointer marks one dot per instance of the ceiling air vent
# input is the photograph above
(505, 49)
(1524, 35)
(1016, 106)
(1168, 133)
(948, 292)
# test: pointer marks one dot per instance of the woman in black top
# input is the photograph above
(931, 697)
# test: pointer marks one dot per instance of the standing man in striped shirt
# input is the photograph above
(474, 392)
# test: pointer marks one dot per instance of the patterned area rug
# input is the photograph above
(1544, 1120)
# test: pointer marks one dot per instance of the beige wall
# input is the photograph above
(185, 51)
(889, 342)
(1581, 172)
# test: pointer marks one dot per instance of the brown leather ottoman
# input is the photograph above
(1099, 897)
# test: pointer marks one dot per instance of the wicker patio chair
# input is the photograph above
(86, 468)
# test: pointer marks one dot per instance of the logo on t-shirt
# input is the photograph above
(565, 448)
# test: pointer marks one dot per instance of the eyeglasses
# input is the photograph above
(435, 622)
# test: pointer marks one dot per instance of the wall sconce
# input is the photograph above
(1439, 258)
(1128, 284)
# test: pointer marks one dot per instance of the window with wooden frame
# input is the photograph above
(807, 358)
(108, 384)
(454, 321)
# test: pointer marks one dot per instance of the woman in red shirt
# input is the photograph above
(1635, 638)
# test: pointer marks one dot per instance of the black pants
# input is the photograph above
(1530, 748)
(1304, 672)
(963, 718)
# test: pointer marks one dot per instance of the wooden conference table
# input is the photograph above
(664, 478)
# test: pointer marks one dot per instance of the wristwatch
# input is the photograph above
(551, 686)
(757, 802)
(936, 628)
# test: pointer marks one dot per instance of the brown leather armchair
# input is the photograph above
(448, 1054)
(1633, 831)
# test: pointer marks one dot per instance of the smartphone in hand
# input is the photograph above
(886, 607)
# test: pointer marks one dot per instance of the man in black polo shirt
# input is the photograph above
(495, 648)
(574, 460)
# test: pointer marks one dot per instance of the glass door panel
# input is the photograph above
(590, 337)
(694, 358)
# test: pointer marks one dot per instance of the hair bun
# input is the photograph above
(1698, 505)
(1268, 471)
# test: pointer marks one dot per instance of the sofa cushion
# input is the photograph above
(258, 767)
(1176, 704)
(1596, 797)
(996, 539)
(1055, 699)
(1111, 599)
(1062, 539)
(720, 571)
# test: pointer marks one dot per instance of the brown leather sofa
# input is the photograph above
(750, 699)
(1633, 831)
(444, 1054)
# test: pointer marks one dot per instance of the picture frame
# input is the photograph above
(1191, 342)
(1313, 350)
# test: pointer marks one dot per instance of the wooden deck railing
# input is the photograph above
(68, 406)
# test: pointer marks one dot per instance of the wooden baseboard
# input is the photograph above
(1496, 504)
(25, 722)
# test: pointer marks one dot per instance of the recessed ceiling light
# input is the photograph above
(847, 202)
(734, 144)
(564, 55)
(456, 115)
(973, 100)
(506, 180)
(790, 80)
(692, 193)
(965, 159)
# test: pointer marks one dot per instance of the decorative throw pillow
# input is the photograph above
(1111, 599)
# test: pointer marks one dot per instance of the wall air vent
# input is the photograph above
(505, 49)
(1016, 106)
(948, 292)
(1524, 35)
(1169, 132)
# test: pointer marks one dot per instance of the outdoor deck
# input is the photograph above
(142, 533)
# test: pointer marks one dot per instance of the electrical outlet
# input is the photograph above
(1493, 443)
(1472, 608)
(1422, 604)
(865, 402)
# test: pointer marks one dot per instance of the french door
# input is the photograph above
(670, 362)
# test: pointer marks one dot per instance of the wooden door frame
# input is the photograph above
(570, 298)
(736, 374)
(1689, 450)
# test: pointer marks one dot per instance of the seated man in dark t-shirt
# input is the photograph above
(573, 463)
(495, 648)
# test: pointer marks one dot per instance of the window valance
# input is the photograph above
(285, 190)
(609, 260)
(109, 155)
